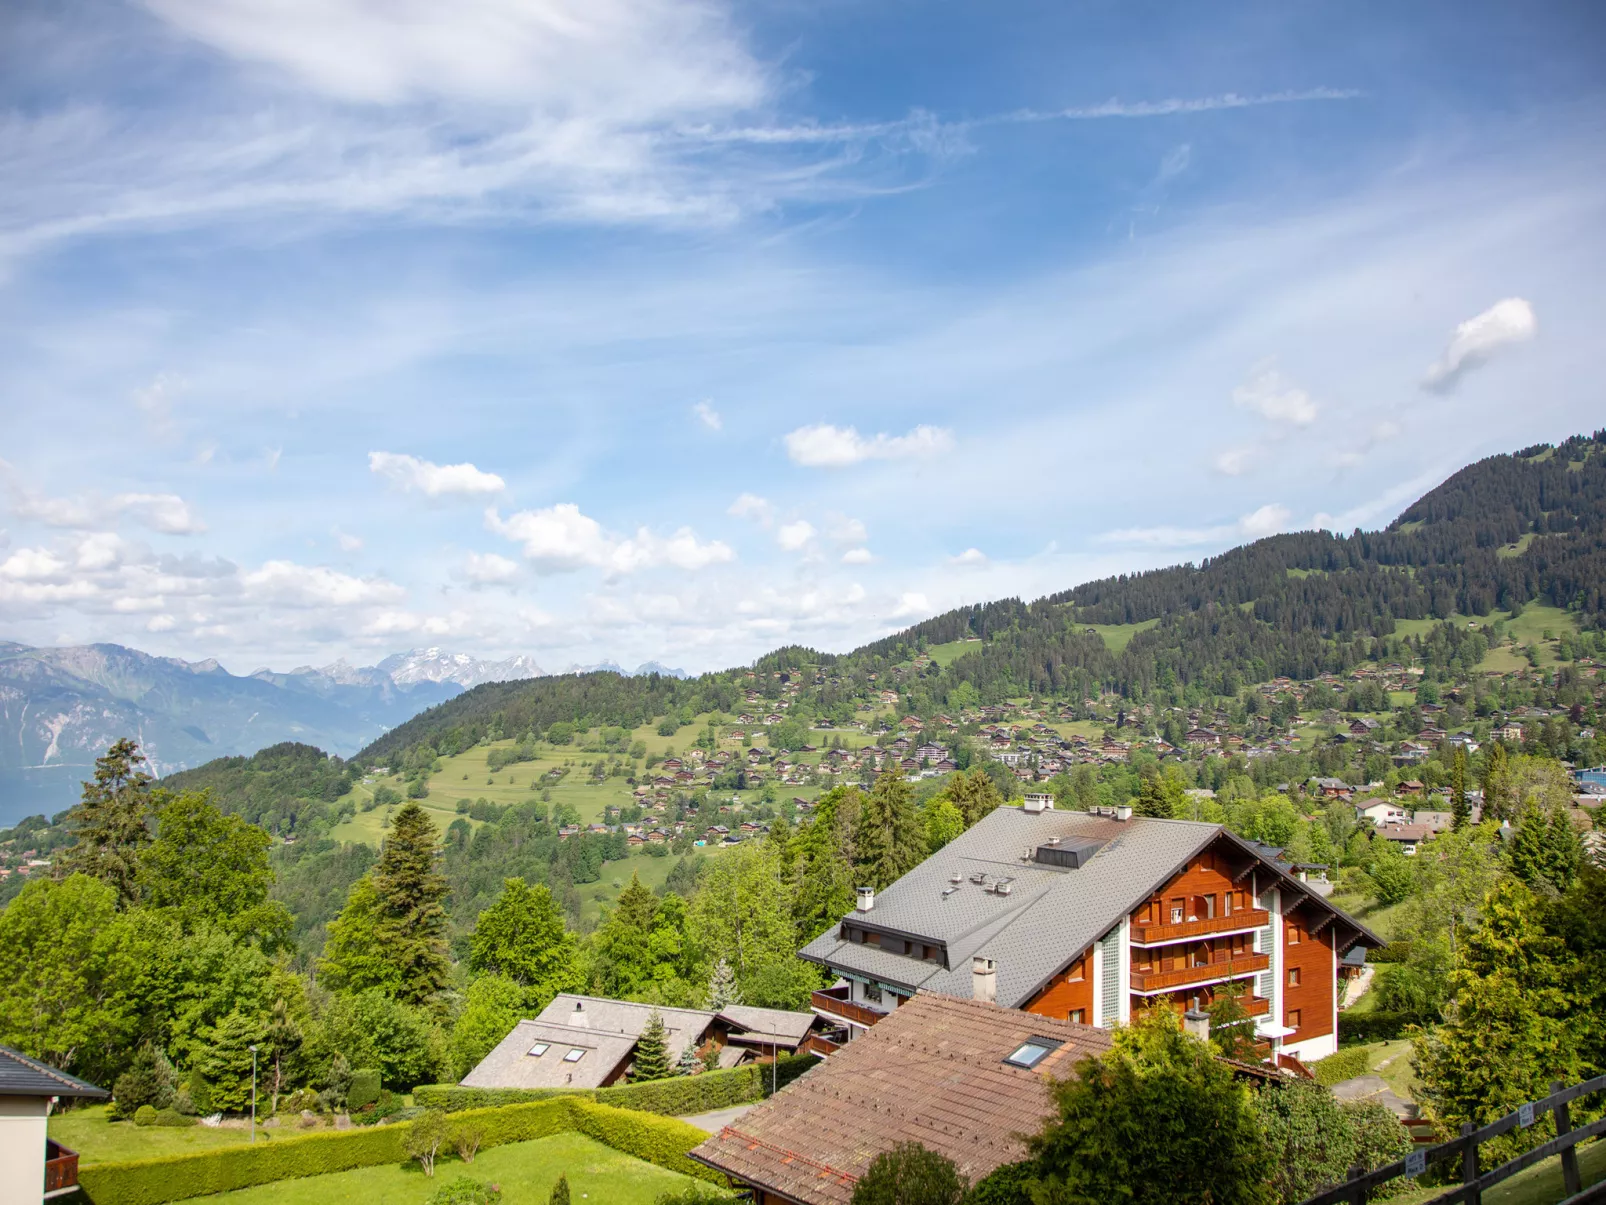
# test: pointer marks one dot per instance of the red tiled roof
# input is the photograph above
(931, 1072)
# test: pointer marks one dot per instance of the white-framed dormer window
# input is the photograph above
(539, 1049)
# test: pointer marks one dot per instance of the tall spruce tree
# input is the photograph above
(1498, 800)
(652, 1052)
(623, 942)
(722, 987)
(1460, 809)
(391, 934)
(890, 840)
(109, 824)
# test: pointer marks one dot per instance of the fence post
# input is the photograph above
(1355, 1195)
(1469, 1167)
(1571, 1184)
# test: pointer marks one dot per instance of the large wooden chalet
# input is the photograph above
(1090, 917)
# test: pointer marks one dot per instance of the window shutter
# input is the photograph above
(1264, 944)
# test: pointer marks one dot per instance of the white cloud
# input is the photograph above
(155, 401)
(433, 480)
(1265, 521)
(857, 556)
(826, 446)
(165, 513)
(911, 604)
(970, 557)
(1477, 339)
(708, 416)
(487, 568)
(844, 530)
(793, 536)
(1274, 397)
(1235, 462)
(751, 506)
(289, 584)
(560, 538)
(33, 565)
(347, 541)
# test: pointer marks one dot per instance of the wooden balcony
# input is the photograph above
(819, 1044)
(1249, 918)
(1220, 967)
(842, 1009)
(61, 1169)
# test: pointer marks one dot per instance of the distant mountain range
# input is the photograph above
(61, 707)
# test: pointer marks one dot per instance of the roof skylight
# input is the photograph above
(574, 1055)
(539, 1049)
(1032, 1052)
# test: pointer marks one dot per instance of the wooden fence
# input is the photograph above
(1465, 1148)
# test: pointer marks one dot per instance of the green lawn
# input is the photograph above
(1379, 918)
(525, 1171)
(100, 1141)
(1539, 1185)
(616, 877)
(946, 654)
(1118, 635)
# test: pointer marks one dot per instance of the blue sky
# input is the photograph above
(649, 329)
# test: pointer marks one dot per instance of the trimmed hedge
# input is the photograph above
(1336, 1068)
(660, 1140)
(1371, 1027)
(677, 1096)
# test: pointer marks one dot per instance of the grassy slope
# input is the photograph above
(100, 1141)
(1117, 636)
(526, 1172)
(946, 654)
(1539, 1185)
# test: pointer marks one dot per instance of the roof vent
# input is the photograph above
(979, 876)
(957, 877)
(578, 1016)
(947, 891)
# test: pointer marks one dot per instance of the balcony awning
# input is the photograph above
(1265, 1029)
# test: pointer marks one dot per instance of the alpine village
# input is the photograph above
(1276, 878)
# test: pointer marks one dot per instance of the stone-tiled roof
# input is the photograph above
(932, 1072)
(24, 1076)
(1049, 915)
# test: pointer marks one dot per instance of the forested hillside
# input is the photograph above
(1507, 531)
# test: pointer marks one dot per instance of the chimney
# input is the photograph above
(984, 979)
(1123, 811)
(1196, 1023)
(866, 899)
(1035, 802)
(578, 1017)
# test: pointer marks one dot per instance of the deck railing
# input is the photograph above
(1224, 967)
(61, 1167)
(1465, 1148)
(845, 1009)
(1246, 919)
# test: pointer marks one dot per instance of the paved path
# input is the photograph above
(717, 1120)
(1373, 1087)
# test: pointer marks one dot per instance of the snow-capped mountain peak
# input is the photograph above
(438, 665)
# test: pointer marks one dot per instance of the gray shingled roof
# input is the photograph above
(1050, 914)
(511, 1065)
(766, 1023)
(23, 1076)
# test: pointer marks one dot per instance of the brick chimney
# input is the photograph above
(984, 979)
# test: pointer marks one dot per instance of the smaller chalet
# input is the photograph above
(961, 1077)
(590, 1041)
(28, 1156)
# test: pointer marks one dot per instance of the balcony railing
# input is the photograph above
(1221, 967)
(61, 1168)
(1249, 918)
(846, 1010)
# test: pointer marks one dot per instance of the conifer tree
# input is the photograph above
(226, 1063)
(652, 1052)
(722, 987)
(1460, 810)
(1545, 851)
(1497, 795)
(560, 1191)
(623, 942)
(109, 823)
(974, 795)
(890, 840)
(392, 933)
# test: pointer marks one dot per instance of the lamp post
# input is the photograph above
(253, 1092)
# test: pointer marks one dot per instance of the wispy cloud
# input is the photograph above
(433, 480)
(827, 446)
(708, 416)
(561, 538)
(1265, 521)
(1477, 339)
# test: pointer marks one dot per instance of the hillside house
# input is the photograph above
(590, 1041)
(1090, 917)
(33, 1166)
(1378, 812)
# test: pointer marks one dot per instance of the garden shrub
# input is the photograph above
(1379, 1138)
(1004, 1185)
(1370, 1027)
(173, 1118)
(678, 1096)
(694, 1194)
(364, 1088)
(910, 1174)
(464, 1191)
(145, 1115)
(149, 1080)
(1336, 1068)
